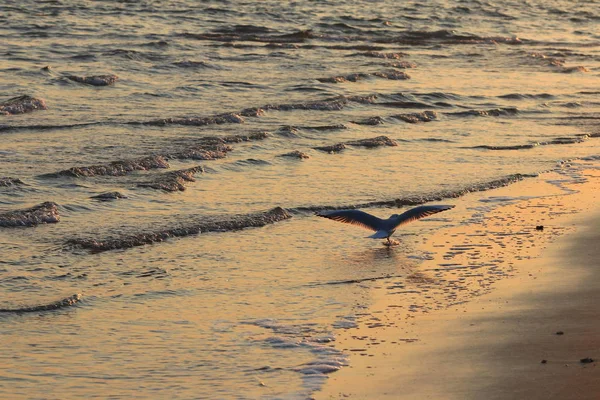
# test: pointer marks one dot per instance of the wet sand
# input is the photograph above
(525, 338)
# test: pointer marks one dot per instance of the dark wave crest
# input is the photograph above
(21, 105)
(173, 181)
(447, 36)
(253, 34)
(555, 141)
(368, 143)
(115, 168)
(206, 148)
(521, 96)
(207, 224)
(422, 198)
(44, 213)
(57, 305)
(8, 182)
(496, 112)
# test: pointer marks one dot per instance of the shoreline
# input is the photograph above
(490, 342)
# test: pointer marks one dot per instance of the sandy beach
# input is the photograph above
(533, 335)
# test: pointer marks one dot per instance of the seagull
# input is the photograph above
(384, 228)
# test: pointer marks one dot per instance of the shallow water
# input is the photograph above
(239, 313)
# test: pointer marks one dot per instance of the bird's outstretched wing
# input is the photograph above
(419, 212)
(354, 217)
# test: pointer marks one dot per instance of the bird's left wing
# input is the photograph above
(355, 217)
(419, 212)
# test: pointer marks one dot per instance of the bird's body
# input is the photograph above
(384, 228)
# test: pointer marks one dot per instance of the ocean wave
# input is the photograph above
(210, 147)
(294, 131)
(373, 142)
(507, 147)
(413, 118)
(496, 112)
(229, 118)
(382, 55)
(555, 141)
(115, 168)
(21, 105)
(8, 128)
(44, 213)
(333, 148)
(332, 104)
(252, 161)
(447, 36)
(402, 64)
(207, 224)
(432, 96)
(418, 199)
(108, 196)
(94, 80)
(244, 29)
(241, 165)
(56, 305)
(235, 34)
(295, 154)
(439, 140)
(521, 96)
(206, 148)
(136, 55)
(195, 65)
(368, 143)
(7, 181)
(172, 181)
(405, 104)
(376, 120)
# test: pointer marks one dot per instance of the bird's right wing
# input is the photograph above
(355, 217)
(419, 212)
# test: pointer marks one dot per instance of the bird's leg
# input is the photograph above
(390, 242)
